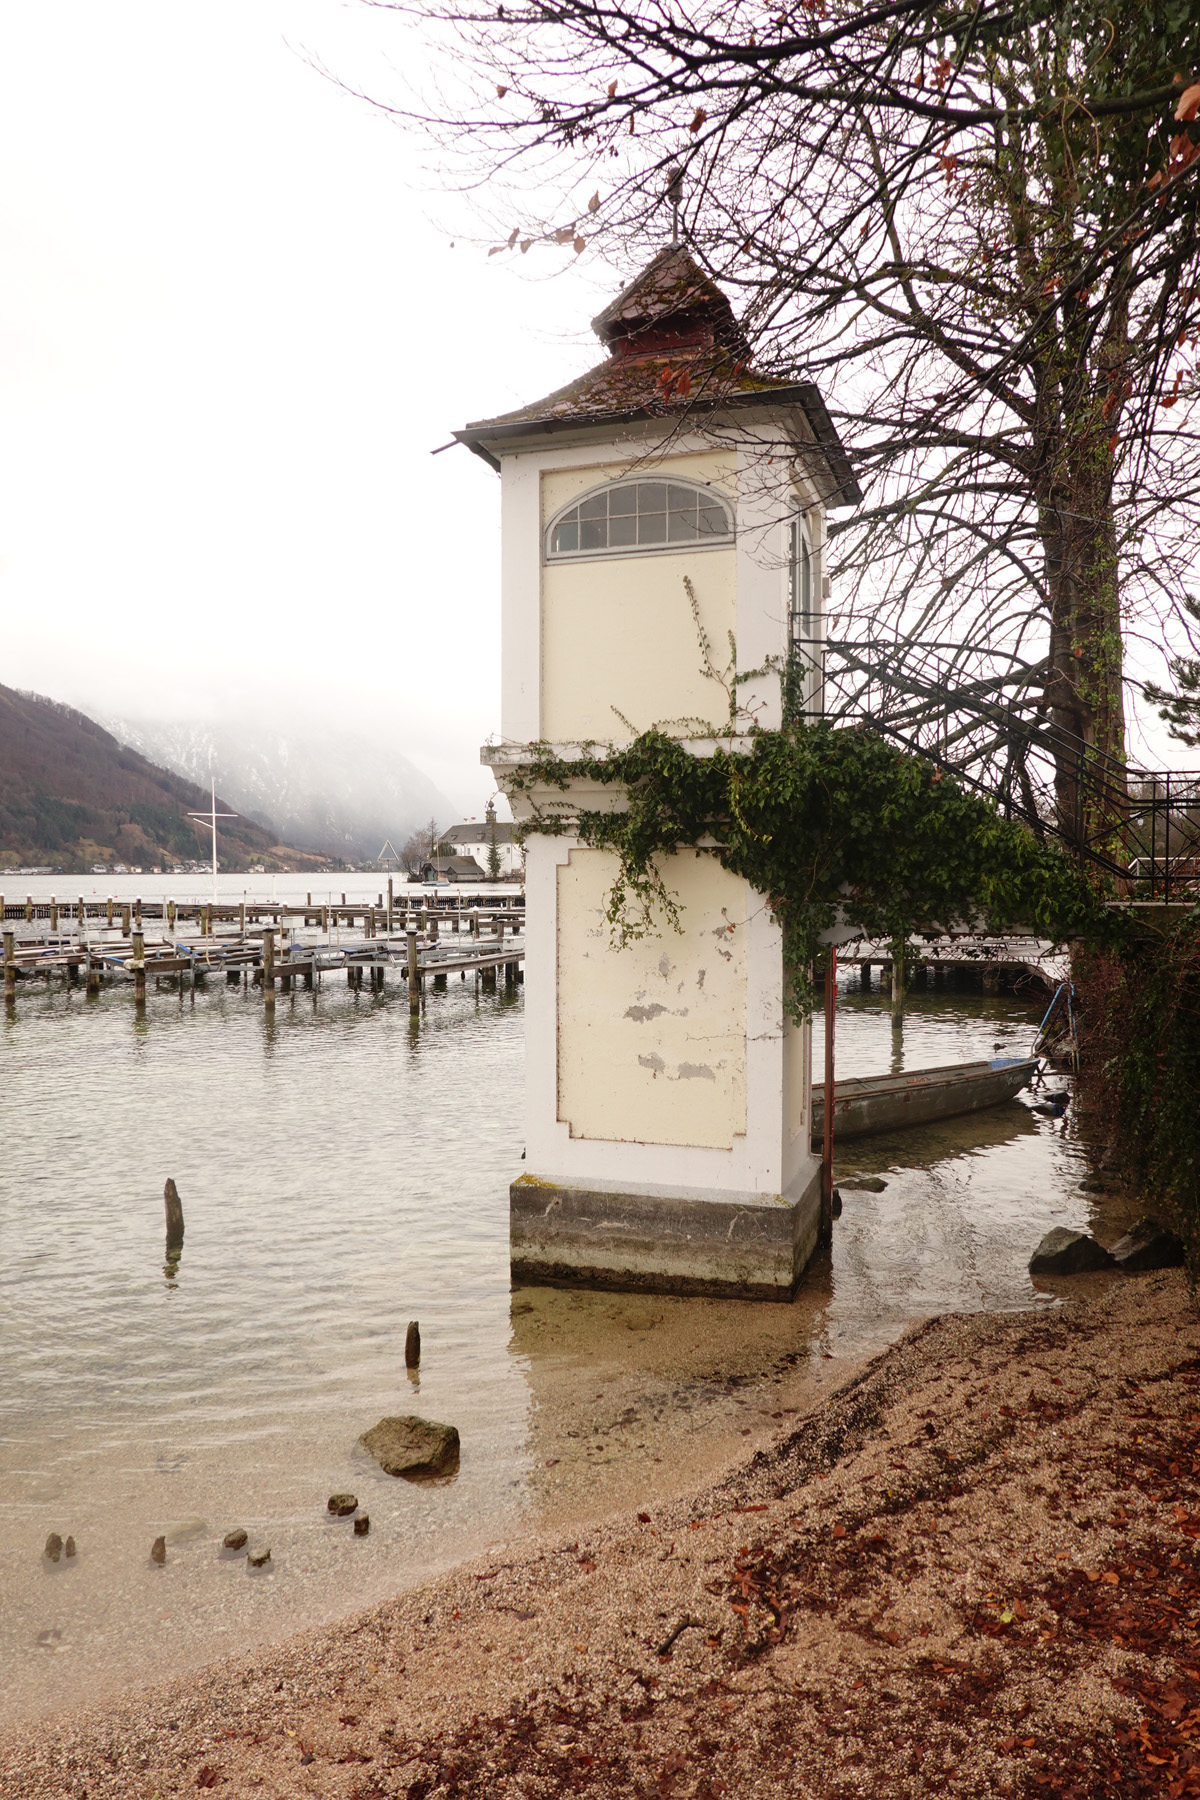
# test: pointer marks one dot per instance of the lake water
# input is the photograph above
(343, 1170)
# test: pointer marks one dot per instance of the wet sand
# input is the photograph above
(970, 1570)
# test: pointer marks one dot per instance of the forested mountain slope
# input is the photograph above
(71, 796)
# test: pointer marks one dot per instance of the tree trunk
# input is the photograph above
(1084, 696)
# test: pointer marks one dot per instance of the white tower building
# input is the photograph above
(668, 1095)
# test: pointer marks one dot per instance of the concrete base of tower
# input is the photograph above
(662, 1240)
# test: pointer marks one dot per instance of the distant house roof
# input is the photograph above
(478, 831)
(462, 868)
(674, 348)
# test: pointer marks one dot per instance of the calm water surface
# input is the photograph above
(342, 1171)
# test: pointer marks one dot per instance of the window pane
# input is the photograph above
(593, 534)
(681, 520)
(652, 496)
(622, 500)
(622, 529)
(595, 507)
(652, 527)
(566, 537)
(713, 520)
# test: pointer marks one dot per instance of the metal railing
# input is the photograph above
(979, 715)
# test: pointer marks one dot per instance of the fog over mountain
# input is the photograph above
(341, 792)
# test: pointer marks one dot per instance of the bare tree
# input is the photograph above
(975, 223)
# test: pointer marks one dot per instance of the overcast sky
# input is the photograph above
(232, 329)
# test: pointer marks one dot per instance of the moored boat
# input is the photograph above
(868, 1103)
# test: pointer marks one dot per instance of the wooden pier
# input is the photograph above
(267, 944)
(1018, 958)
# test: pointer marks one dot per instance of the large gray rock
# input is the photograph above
(1148, 1245)
(412, 1447)
(1063, 1252)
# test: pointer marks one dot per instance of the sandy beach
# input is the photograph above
(972, 1570)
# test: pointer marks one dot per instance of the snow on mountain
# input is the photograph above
(339, 792)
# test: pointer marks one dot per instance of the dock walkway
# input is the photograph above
(261, 943)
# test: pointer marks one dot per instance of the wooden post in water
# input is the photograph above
(899, 977)
(827, 1145)
(53, 913)
(268, 955)
(108, 911)
(433, 925)
(391, 910)
(474, 921)
(137, 910)
(29, 909)
(173, 1207)
(139, 967)
(10, 965)
(412, 1345)
(93, 976)
(171, 916)
(414, 977)
(80, 912)
(126, 919)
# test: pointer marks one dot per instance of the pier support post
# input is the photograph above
(10, 965)
(391, 910)
(171, 917)
(108, 911)
(53, 913)
(93, 977)
(268, 955)
(899, 977)
(29, 909)
(414, 975)
(139, 968)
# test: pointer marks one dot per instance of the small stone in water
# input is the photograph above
(236, 1540)
(258, 1562)
(54, 1546)
(158, 1550)
(69, 1547)
(362, 1525)
(342, 1505)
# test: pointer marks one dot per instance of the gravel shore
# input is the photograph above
(973, 1570)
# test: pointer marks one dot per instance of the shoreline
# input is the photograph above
(991, 1528)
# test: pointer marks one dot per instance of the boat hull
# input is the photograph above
(872, 1103)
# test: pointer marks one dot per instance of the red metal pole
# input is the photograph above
(827, 1153)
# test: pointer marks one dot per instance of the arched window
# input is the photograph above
(639, 515)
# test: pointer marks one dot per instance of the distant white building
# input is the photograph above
(474, 838)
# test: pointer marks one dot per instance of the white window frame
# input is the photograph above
(723, 541)
(806, 607)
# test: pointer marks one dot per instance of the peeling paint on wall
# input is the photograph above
(633, 1067)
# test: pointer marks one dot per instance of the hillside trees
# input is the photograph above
(974, 224)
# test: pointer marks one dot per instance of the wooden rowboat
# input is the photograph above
(867, 1103)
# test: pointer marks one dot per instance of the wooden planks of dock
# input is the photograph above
(271, 945)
